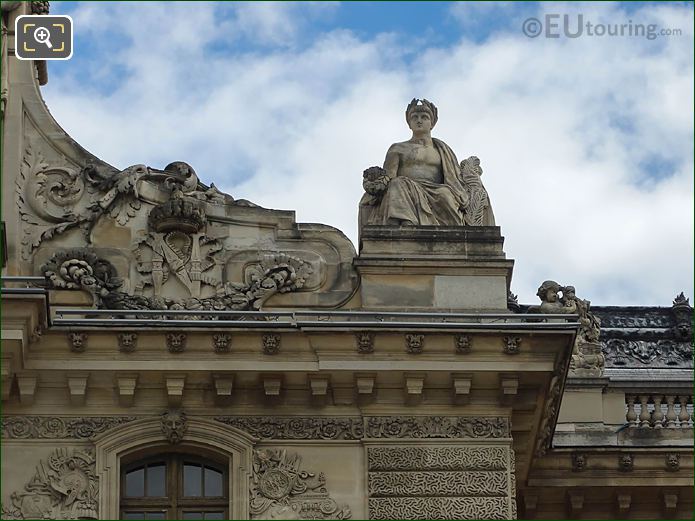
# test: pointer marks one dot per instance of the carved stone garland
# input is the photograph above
(281, 489)
(64, 487)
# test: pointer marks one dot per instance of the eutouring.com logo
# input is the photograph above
(555, 25)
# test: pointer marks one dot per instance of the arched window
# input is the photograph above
(174, 486)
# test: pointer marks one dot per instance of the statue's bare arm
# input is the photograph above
(392, 161)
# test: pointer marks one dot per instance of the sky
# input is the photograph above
(585, 136)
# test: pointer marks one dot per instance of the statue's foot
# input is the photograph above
(407, 223)
(393, 222)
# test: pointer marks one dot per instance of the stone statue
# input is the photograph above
(422, 182)
(587, 357)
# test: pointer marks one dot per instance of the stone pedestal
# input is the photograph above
(434, 267)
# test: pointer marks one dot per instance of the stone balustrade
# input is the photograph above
(657, 411)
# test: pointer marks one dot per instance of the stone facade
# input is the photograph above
(150, 319)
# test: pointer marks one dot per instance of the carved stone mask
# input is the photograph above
(174, 425)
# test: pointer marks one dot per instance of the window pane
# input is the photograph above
(135, 483)
(214, 515)
(156, 481)
(213, 483)
(155, 515)
(193, 515)
(133, 515)
(192, 477)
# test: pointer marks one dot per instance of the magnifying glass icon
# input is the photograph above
(42, 35)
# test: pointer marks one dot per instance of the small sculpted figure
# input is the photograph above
(422, 183)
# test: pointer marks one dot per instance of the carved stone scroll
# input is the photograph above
(63, 487)
(281, 489)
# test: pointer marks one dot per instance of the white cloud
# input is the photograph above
(564, 128)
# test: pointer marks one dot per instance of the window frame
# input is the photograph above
(174, 503)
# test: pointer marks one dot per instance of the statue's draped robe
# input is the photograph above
(421, 202)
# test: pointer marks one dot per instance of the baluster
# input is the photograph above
(671, 413)
(631, 415)
(658, 415)
(644, 415)
(683, 415)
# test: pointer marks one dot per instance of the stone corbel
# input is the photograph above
(174, 388)
(319, 388)
(622, 504)
(414, 385)
(575, 502)
(77, 385)
(27, 384)
(272, 385)
(462, 387)
(670, 504)
(365, 387)
(224, 384)
(530, 504)
(509, 388)
(126, 384)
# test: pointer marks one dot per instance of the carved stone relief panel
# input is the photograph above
(282, 489)
(441, 482)
(64, 486)
(178, 241)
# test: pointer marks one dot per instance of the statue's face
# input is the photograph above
(551, 295)
(420, 120)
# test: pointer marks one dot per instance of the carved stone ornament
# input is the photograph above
(78, 341)
(174, 425)
(683, 315)
(673, 461)
(626, 462)
(621, 352)
(552, 408)
(127, 342)
(383, 427)
(365, 342)
(414, 344)
(281, 489)
(437, 427)
(513, 302)
(64, 486)
(463, 343)
(221, 342)
(297, 428)
(52, 427)
(578, 461)
(176, 342)
(511, 345)
(587, 356)
(271, 344)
